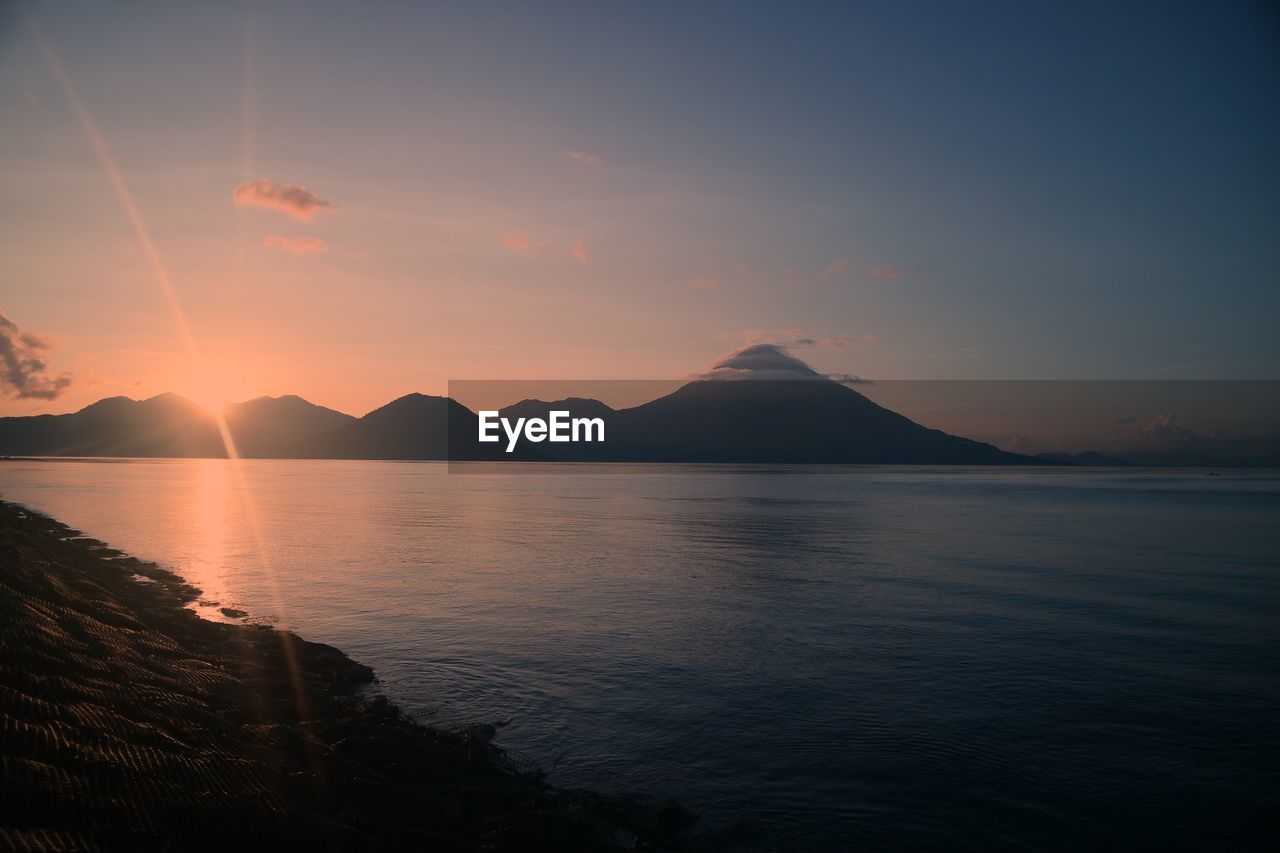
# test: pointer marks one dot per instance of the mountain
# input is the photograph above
(797, 421)
(272, 426)
(412, 427)
(168, 426)
(804, 421)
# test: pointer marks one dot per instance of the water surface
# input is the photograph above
(833, 658)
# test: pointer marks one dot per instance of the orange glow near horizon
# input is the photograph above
(213, 388)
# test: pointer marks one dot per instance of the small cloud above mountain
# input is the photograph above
(770, 361)
(787, 338)
(836, 268)
(582, 157)
(523, 244)
(759, 361)
(1165, 426)
(290, 199)
(296, 245)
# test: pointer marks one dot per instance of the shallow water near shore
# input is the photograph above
(831, 658)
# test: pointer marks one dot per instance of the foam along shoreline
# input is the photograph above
(130, 722)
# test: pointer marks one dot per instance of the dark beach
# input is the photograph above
(131, 723)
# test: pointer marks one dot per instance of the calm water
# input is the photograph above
(837, 658)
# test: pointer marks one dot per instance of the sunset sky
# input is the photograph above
(352, 202)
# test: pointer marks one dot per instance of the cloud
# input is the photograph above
(886, 273)
(1020, 442)
(849, 379)
(23, 369)
(836, 268)
(514, 241)
(704, 283)
(581, 157)
(788, 338)
(828, 341)
(759, 361)
(292, 199)
(844, 266)
(771, 361)
(296, 245)
(1166, 426)
(578, 251)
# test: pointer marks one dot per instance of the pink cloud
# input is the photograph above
(291, 199)
(578, 251)
(887, 273)
(836, 268)
(581, 157)
(704, 283)
(514, 241)
(296, 245)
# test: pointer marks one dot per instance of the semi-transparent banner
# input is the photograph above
(1209, 423)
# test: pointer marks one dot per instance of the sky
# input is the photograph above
(351, 202)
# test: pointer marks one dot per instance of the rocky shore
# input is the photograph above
(130, 723)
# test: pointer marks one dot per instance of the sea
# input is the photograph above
(808, 657)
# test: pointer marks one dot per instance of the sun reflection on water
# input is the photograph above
(210, 497)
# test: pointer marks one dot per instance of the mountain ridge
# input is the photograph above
(812, 421)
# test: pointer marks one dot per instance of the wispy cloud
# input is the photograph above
(846, 267)
(787, 337)
(849, 379)
(704, 283)
(581, 157)
(291, 199)
(578, 251)
(886, 273)
(516, 241)
(1166, 426)
(836, 268)
(24, 372)
(296, 245)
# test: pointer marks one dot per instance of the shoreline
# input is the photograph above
(130, 721)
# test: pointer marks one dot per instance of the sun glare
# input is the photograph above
(212, 402)
(214, 390)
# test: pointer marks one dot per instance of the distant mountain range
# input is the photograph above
(816, 421)
(412, 427)
(800, 421)
(706, 421)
